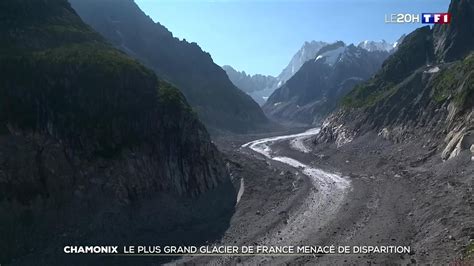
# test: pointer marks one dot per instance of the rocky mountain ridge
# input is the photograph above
(258, 86)
(316, 88)
(423, 91)
(307, 51)
(219, 104)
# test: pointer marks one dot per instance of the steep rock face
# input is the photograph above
(209, 91)
(89, 136)
(423, 91)
(454, 41)
(259, 87)
(308, 51)
(316, 88)
(398, 42)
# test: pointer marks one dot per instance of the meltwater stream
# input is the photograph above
(324, 199)
(317, 208)
(324, 179)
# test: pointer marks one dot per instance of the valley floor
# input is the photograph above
(399, 194)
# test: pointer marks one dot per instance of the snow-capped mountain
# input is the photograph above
(377, 45)
(330, 54)
(316, 88)
(307, 52)
(381, 45)
(261, 93)
(259, 87)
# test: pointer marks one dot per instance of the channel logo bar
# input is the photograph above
(425, 18)
(435, 18)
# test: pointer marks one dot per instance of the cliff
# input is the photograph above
(218, 103)
(424, 91)
(94, 148)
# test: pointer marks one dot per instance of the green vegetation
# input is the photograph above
(469, 253)
(457, 82)
(445, 84)
(205, 85)
(92, 55)
(368, 94)
(170, 96)
(413, 53)
(58, 76)
(27, 26)
(470, 249)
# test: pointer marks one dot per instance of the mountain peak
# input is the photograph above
(371, 46)
(307, 52)
(228, 67)
(258, 86)
(315, 89)
(330, 47)
(331, 53)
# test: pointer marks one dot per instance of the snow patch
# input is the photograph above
(472, 151)
(241, 191)
(376, 46)
(432, 70)
(331, 56)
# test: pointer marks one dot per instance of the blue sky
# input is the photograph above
(261, 36)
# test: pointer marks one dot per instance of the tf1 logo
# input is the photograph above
(436, 18)
(425, 18)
